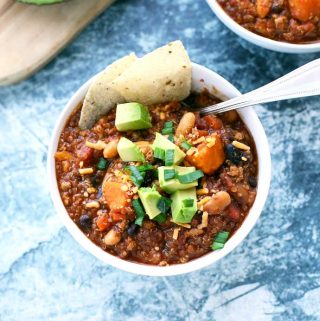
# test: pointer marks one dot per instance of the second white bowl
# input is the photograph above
(259, 40)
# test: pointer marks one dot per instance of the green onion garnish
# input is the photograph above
(169, 174)
(220, 240)
(164, 204)
(102, 163)
(156, 173)
(169, 157)
(190, 177)
(168, 124)
(217, 246)
(144, 168)
(161, 218)
(222, 237)
(171, 138)
(186, 145)
(167, 131)
(136, 176)
(140, 213)
(159, 153)
(188, 202)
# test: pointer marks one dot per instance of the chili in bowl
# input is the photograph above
(155, 188)
(291, 26)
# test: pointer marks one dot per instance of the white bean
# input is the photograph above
(113, 237)
(110, 151)
(217, 203)
(186, 124)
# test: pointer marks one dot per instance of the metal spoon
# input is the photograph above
(302, 82)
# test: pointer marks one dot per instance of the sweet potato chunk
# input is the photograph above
(209, 156)
(263, 7)
(103, 222)
(304, 10)
(213, 121)
(114, 195)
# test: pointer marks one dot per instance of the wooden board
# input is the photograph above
(30, 36)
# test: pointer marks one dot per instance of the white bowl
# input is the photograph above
(264, 42)
(201, 78)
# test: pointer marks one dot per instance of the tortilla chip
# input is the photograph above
(101, 96)
(160, 76)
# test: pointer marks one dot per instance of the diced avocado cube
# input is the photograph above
(172, 185)
(132, 116)
(180, 212)
(165, 144)
(150, 198)
(129, 151)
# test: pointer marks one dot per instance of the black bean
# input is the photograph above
(95, 180)
(148, 178)
(85, 222)
(233, 154)
(252, 181)
(133, 229)
(99, 193)
(277, 6)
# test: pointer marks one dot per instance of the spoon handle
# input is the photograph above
(302, 82)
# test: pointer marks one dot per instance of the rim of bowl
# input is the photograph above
(199, 76)
(261, 41)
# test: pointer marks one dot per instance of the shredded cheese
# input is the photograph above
(182, 224)
(62, 156)
(212, 143)
(93, 204)
(244, 158)
(81, 164)
(84, 171)
(203, 201)
(162, 116)
(202, 191)
(176, 233)
(91, 190)
(199, 140)
(191, 151)
(204, 222)
(99, 145)
(239, 145)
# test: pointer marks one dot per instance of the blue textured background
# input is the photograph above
(46, 275)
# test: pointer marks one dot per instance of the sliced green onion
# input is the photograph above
(220, 240)
(164, 204)
(136, 176)
(167, 131)
(169, 157)
(156, 173)
(159, 153)
(161, 218)
(188, 202)
(102, 163)
(168, 124)
(217, 246)
(222, 237)
(169, 174)
(171, 138)
(140, 213)
(186, 145)
(144, 168)
(190, 177)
